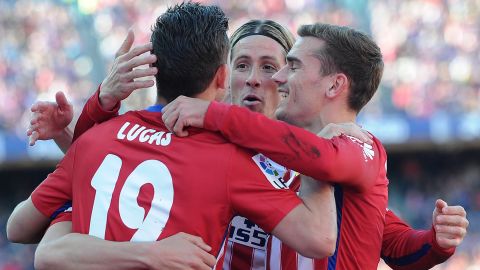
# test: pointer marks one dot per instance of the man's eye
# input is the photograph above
(241, 66)
(270, 68)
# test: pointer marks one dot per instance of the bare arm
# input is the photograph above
(59, 249)
(64, 139)
(26, 224)
(311, 227)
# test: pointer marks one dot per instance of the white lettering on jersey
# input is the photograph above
(148, 227)
(247, 233)
(368, 152)
(144, 135)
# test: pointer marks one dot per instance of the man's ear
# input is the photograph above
(221, 81)
(222, 77)
(339, 85)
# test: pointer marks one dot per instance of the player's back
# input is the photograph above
(133, 180)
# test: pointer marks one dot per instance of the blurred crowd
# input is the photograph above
(432, 67)
(430, 48)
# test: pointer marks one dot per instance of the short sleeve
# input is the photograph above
(56, 189)
(64, 216)
(255, 192)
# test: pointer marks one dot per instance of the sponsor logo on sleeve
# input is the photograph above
(279, 176)
(368, 152)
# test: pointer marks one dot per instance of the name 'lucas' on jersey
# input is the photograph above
(144, 134)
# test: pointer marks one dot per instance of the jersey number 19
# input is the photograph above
(132, 214)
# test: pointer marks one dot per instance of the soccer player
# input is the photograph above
(257, 92)
(140, 183)
(332, 73)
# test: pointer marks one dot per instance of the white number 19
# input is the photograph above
(151, 172)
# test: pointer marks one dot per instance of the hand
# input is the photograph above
(184, 112)
(120, 82)
(450, 223)
(49, 119)
(181, 251)
(332, 130)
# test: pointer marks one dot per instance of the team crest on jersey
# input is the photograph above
(279, 176)
(367, 149)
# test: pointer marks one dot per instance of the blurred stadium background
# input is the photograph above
(427, 111)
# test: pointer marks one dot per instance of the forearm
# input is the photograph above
(337, 160)
(419, 251)
(64, 139)
(319, 198)
(78, 251)
(406, 248)
(311, 227)
(26, 224)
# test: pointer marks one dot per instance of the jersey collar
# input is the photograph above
(155, 108)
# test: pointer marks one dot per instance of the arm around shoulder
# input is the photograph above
(59, 249)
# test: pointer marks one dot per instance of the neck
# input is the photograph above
(161, 101)
(209, 94)
(331, 114)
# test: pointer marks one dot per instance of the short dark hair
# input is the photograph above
(266, 28)
(191, 43)
(351, 52)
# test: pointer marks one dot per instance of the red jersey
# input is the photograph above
(130, 179)
(357, 170)
(246, 246)
(402, 247)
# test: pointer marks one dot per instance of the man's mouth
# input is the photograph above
(251, 100)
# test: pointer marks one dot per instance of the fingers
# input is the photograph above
(135, 85)
(127, 44)
(198, 241)
(62, 101)
(38, 119)
(440, 204)
(140, 73)
(450, 231)
(180, 128)
(208, 259)
(452, 220)
(140, 60)
(454, 210)
(41, 106)
(350, 129)
(138, 50)
(170, 117)
(359, 133)
(362, 135)
(33, 138)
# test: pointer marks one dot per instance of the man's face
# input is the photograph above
(254, 60)
(301, 84)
